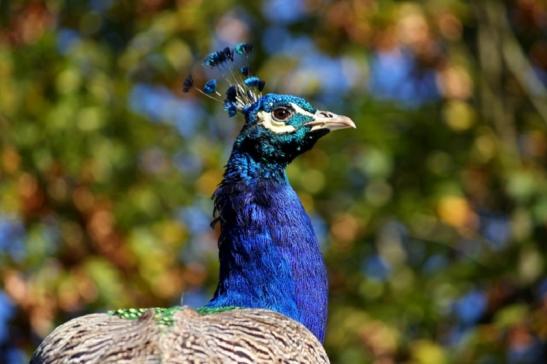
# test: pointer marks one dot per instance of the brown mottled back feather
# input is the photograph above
(235, 336)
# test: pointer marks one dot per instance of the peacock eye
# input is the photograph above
(281, 113)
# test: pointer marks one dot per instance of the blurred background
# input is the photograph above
(432, 214)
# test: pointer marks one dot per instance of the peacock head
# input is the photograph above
(278, 128)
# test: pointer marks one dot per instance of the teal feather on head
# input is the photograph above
(254, 81)
(243, 48)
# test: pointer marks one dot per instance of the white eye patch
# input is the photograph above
(279, 127)
(301, 111)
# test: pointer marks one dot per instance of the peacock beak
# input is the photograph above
(330, 121)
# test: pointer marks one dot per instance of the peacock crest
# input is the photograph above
(241, 89)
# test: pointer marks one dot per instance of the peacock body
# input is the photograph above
(270, 305)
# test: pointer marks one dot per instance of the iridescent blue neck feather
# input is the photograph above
(269, 255)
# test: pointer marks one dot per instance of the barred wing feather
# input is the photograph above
(235, 336)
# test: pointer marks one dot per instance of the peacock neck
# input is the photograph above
(269, 255)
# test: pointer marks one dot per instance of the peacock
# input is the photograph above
(270, 304)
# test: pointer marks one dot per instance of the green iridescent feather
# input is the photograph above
(212, 310)
(163, 315)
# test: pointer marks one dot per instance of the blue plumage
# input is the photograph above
(188, 83)
(231, 94)
(241, 93)
(254, 81)
(228, 54)
(221, 57)
(230, 108)
(210, 86)
(269, 255)
(243, 48)
(230, 101)
(268, 251)
(215, 59)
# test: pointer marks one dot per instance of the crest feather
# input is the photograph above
(242, 90)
